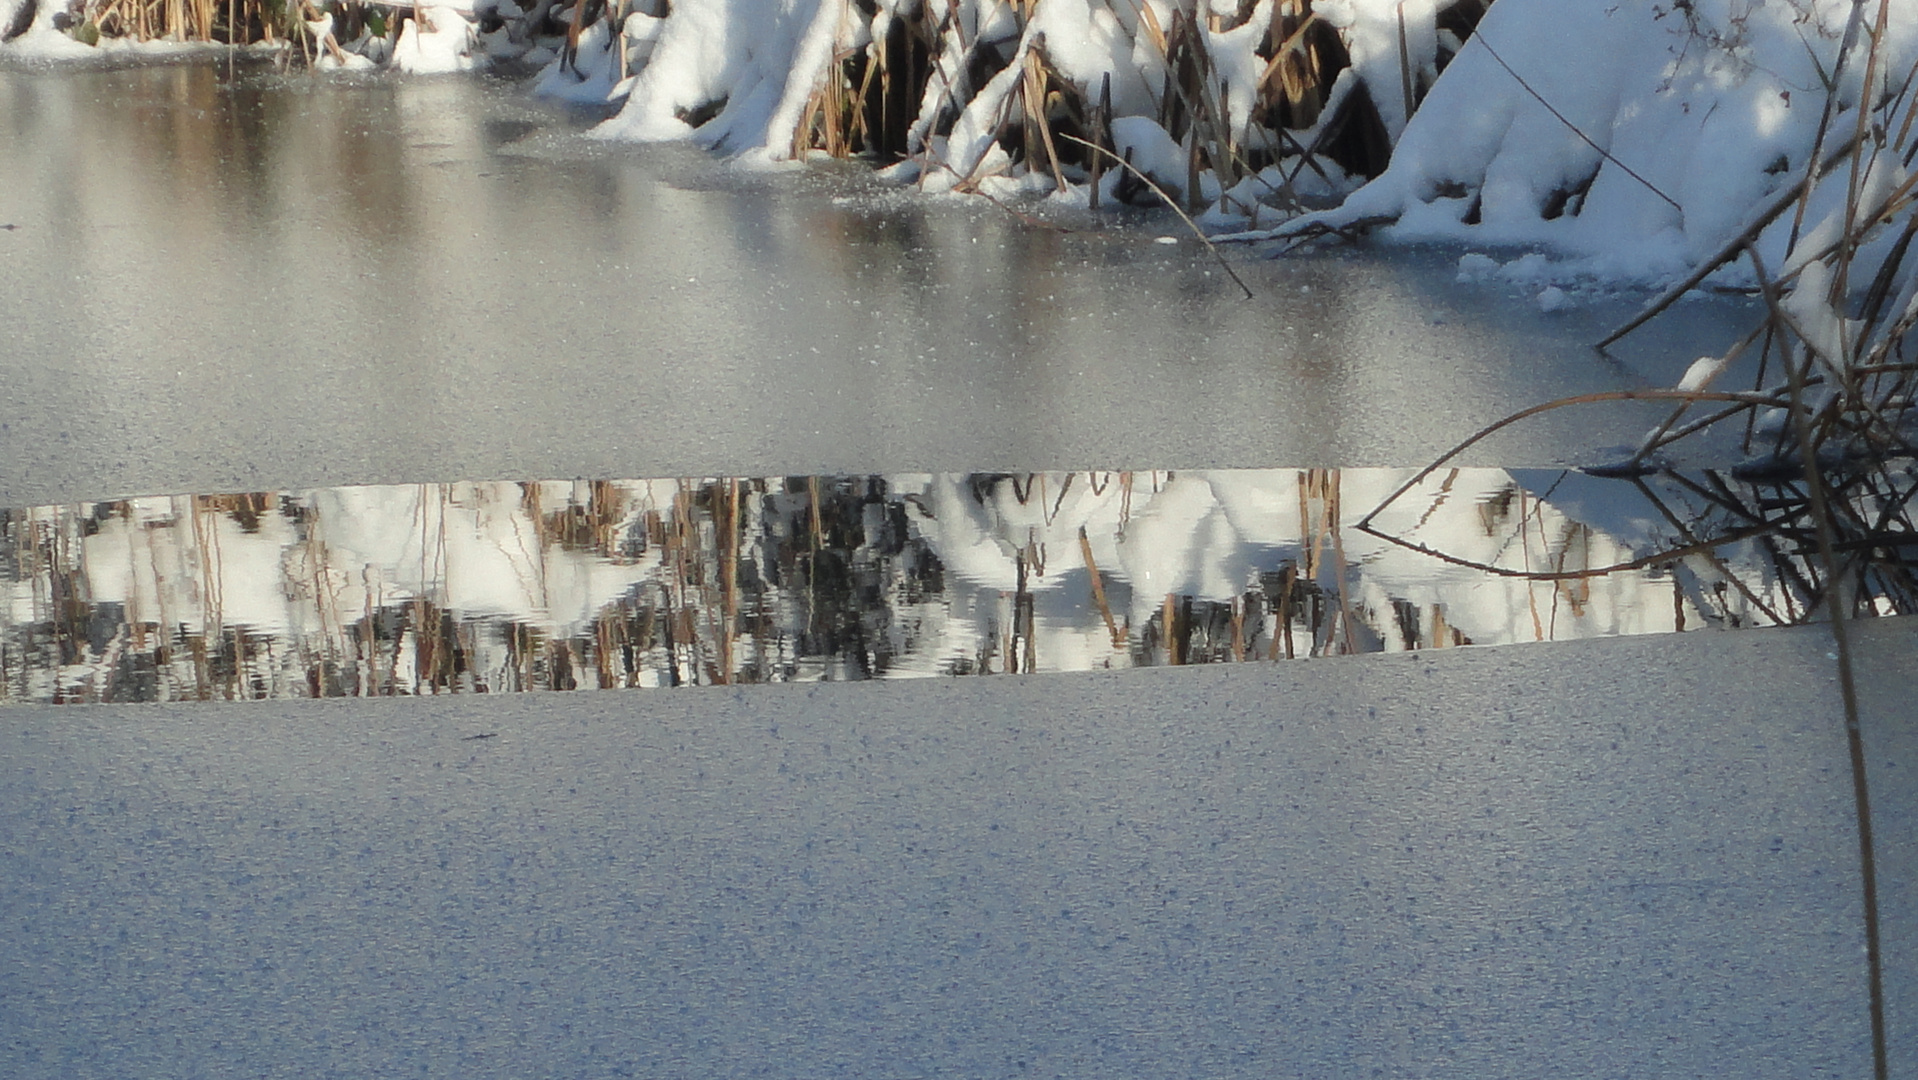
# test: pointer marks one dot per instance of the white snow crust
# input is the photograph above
(765, 59)
(1665, 129)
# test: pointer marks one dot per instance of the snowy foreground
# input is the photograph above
(1578, 860)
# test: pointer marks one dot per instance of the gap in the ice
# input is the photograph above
(509, 586)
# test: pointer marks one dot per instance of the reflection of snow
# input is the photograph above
(504, 585)
(1211, 535)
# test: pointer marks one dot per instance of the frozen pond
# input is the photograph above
(261, 283)
(285, 363)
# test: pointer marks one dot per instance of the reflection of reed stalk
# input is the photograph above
(1282, 628)
(1238, 629)
(729, 576)
(1169, 619)
(1099, 591)
(1525, 559)
(1333, 515)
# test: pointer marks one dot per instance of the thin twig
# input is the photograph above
(1587, 139)
(1838, 604)
(1582, 399)
(1657, 557)
(1731, 248)
(1160, 192)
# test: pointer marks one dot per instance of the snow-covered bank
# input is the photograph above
(1636, 138)
(427, 38)
(1647, 146)
(1633, 139)
(1209, 100)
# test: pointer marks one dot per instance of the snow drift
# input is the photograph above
(1639, 136)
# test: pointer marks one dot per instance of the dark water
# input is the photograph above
(489, 587)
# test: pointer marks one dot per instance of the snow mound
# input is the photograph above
(439, 38)
(28, 31)
(1638, 137)
(997, 96)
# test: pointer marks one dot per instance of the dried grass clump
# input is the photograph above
(226, 22)
(1232, 107)
(1307, 111)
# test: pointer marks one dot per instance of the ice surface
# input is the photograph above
(1599, 859)
(537, 286)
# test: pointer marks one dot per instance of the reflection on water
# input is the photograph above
(487, 587)
(232, 283)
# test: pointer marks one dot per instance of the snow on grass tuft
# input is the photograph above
(1635, 137)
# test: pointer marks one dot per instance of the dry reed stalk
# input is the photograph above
(1190, 224)
(1292, 79)
(1405, 64)
(1102, 139)
(1033, 99)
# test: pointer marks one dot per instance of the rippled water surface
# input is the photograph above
(487, 587)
